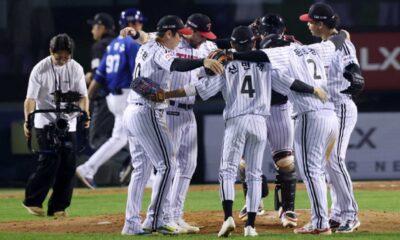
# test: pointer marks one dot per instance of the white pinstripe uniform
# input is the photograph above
(344, 206)
(146, 125)
(315, 124)
(246, 88)
(280, 128)
(183, 127)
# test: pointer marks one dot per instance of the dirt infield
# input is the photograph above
(209, 221)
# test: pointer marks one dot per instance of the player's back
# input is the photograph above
(118, 62)
(303, 63)
(247, 89)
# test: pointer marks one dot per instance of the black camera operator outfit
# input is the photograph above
(56, 166)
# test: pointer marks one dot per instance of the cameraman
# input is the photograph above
(56, 168)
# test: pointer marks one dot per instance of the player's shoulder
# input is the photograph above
(208, 46)
(348, 47)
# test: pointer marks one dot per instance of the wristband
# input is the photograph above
(136, 36)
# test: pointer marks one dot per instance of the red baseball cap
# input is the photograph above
(318, 12)
(202, 24)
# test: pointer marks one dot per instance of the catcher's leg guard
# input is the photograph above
(264, 186)
(286, 178)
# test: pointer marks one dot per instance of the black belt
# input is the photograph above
(181, 105)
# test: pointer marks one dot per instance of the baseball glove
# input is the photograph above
(353, 75)
(221, 56)
(145, 86)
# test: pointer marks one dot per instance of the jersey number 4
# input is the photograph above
(247, 86)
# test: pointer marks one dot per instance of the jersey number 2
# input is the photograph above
(247, 86)
(316, 76)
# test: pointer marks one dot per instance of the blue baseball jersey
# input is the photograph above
(117, 65)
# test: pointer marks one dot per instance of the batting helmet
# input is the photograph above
(271, 24)
(130, 15)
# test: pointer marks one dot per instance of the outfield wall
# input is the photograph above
(374, 149)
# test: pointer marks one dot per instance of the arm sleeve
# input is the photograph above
(302, 87)
(251, 56)
(209, 86)
(184, 65)
(281, 82)
(101, 73)
(34, 84)
(81, 83)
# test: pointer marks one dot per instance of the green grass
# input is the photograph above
(114, 203)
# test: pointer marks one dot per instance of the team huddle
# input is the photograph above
(267, 79)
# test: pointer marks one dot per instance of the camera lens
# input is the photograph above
(61, 124)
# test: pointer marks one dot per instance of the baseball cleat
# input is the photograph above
(308, 229)
(348, 226)
(180, 229)
(87, 181)
(139, 233)
(288, 219)
(167, 230)
(60, 214)
(243, 212)
(249, 231)
(37, 211)
(190, 229)
(227, 227)
(333, 224)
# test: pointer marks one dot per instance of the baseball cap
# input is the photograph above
(242, 35)
(318, 12)
(202, 24)
(172, 22)
(102, 19)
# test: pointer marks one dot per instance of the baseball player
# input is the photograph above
(280, 130)
(316, 126)
(115, 73)
(322, 21)
(103, 27)
(246, 88)
(181, 119)
(146, 124)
